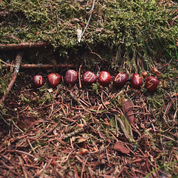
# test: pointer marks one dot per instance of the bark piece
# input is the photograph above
(127, 109)
(119, 146)
(25, 123)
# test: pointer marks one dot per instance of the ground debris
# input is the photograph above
(50, 131)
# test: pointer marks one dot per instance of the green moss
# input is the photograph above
(135, 24)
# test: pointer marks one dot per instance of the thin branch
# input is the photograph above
(23, 46)
(14, 75)
(8, 167)
(79, 78)
(93, 5)
(40, 66)
(47, 66)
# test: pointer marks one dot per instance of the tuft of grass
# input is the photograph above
(160, 167)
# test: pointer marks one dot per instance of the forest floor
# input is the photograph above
(83, 131)
(87, 131)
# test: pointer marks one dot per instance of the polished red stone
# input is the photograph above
(136, 81)
(104, 78)
(70, 77)
(151, 83)
(38, 81)
(120, 80)
(89, 78)
(54, 79)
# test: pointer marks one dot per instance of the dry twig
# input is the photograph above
(14, 75)
(6, 47)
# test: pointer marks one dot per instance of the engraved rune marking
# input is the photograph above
(104, 77)
(89, 76)
(150, 83)
(137, 78)
(71, 77)
(54, 78)
(40, 80)
(119, 77)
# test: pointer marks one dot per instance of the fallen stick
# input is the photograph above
(14, 75)
(23, 46)
(41, 66)
(47, 66)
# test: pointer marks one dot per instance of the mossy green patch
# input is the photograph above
(136, 25)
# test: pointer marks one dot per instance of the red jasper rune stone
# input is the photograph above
(136, 81)
(89, 78)
(104, 78)
(38, 81)
(70, 77)
(120, 80)
(54, 79)
(151, 83)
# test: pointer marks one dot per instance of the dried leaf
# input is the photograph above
(80, 125)
(155, 71)
(126, 127)
(81, 139)
(127, 110)
(142, 125)
(119, 146)
(83, 151)
(50, 90)
(25, 122)
(106, 103)
(144, 74)
(53, 163)
(55, 132)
